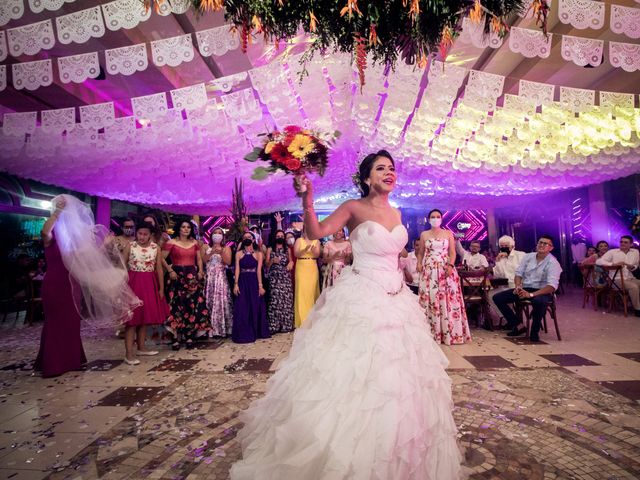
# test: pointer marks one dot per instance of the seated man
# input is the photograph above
(536, 278)
(473, 259)
(409, 267)
(506, 263)
(628, 258)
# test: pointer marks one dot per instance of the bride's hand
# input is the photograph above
(303, 186)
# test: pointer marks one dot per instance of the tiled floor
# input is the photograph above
(555, 410)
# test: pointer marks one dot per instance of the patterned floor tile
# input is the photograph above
(627, 388)
(175, 365)
(250, 365)
(130, 396)
(569, 360)
(635, 356)
(102, 365)
(483, 362)
(524, 341)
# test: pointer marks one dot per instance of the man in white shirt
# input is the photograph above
(628, 258)
(506, 263)
(409, 267)
(473, 259)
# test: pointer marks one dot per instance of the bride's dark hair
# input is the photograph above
(364, 170)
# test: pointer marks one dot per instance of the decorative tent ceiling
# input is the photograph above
(177, 105)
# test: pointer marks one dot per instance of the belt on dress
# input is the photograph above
(307, 258)
(247, 270)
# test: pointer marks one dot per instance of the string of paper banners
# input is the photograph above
(80, 26)
(243, 106)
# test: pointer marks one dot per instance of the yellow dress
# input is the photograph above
(307, 283)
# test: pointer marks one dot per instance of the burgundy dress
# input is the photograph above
(60, 345)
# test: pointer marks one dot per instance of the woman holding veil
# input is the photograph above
(85, 279)
(364, 393)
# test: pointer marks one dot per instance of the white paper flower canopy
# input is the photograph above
(456, 136)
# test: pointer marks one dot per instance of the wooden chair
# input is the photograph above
(524, 308)
(34, 299)
(592, 290)
(475, 289)
(615, 287)
(15, 304)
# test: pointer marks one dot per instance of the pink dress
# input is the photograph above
(143, 280)
(441, 296)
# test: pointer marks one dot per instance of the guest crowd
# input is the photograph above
(191, 287)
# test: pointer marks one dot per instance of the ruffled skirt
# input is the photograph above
(363, 395)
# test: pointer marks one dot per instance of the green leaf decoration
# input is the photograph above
(260, 173)
(253, 155)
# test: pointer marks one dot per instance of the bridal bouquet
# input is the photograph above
(294, 150)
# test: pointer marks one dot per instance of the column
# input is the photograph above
(103, 212)
(492, 227)
(600, 227)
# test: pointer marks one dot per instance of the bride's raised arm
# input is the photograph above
(313, 228)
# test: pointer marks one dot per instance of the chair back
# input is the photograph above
(474, 283)
(615, 279)
(588, 277)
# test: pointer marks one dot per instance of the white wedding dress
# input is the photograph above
(363, 394)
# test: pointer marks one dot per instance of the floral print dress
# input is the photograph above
(189, 316)
(219, 300)
(280, 305)
(441, 295)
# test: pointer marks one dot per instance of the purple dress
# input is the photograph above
(249, 309)
(60, 344)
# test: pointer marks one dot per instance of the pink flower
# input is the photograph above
(292, 130)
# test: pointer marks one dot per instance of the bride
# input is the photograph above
(364, 393)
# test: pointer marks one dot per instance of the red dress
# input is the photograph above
(143, 280)
(60, 344)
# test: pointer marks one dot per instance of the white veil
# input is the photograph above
(94, 264)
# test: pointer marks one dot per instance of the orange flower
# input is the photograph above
(414, 10)
(211, 5)
(475, 15)
(352, 6)
(293, 164)
(313, 22)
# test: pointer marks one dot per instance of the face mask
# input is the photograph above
(216, 238)
(505, 250)
(280, 241)
(291, 241)
(128, 231)
(258, 237)
(247, 242)
(435, 222)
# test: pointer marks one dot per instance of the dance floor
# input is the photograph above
(555, 410)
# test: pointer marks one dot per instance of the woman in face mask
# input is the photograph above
(440, 292)
(290, 240)
(307, 277)
(249, 309)
(217, 256)
(280, 304)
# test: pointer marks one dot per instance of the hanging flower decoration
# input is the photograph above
(294, 151)
(413, 29)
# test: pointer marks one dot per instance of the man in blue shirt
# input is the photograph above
(537, 277)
